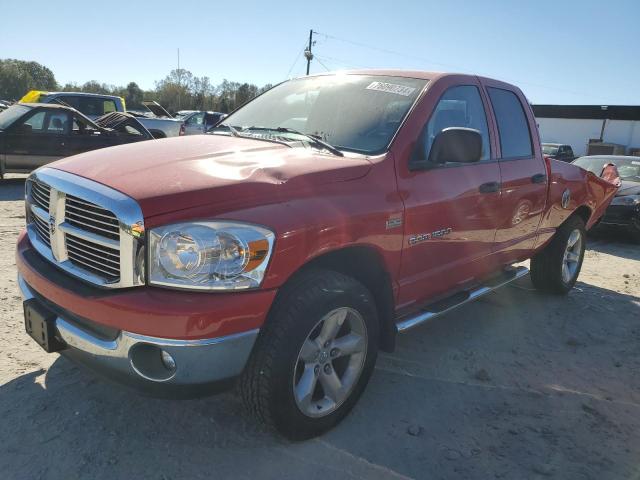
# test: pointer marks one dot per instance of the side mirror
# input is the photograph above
(453, 144)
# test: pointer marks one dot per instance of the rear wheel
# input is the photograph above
(314, 356)
(556, 268)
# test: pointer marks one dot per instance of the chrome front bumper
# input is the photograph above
(136, 359)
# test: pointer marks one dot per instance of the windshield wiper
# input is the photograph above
(232, 130)
(314, 138)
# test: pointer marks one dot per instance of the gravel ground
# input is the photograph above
(518, 385)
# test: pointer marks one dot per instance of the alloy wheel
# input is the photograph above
(571, 258)
(330, 362)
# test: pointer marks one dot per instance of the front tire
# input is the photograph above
(314, 356)
(555, 269)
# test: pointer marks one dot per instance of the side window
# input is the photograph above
(92, 107)
(71, 101)
(196, 119)
(460, 106)
(57, 123)
(108, 106)
(36, 121)
(515, 137)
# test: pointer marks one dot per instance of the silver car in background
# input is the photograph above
(197, 122)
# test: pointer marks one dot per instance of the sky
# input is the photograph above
(557, 52)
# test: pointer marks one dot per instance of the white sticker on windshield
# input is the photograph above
(391, 88)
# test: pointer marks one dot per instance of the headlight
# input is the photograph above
(209, 255)
(626, 200)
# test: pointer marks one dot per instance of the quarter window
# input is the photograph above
(515, 137)
(460, 106)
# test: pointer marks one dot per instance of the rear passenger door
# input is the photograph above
(522, 172)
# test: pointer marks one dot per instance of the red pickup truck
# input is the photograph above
(284, 249)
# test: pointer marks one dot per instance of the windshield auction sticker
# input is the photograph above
(391, 88)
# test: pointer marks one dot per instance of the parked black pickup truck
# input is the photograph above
(34, 134)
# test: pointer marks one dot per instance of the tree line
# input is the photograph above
(179, 90)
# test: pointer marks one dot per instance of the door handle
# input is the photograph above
(539, 178)
(490, 187)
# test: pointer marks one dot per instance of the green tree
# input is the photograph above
(17, 77)
(133, 95)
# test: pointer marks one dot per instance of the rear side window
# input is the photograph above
(90, 106)
(515, 137)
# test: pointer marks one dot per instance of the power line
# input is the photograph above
(320, 62)
(446, 65)
(384, 50)
(296, 60)
(340, 61)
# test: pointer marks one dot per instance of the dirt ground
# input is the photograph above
(518, 385)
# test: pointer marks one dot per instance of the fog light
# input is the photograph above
(168, 361)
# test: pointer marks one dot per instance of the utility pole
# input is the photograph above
(307, 53)
(179, 78)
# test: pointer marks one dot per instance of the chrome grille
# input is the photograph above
(85, 228)
(91, 217)
(96, 258)
(40, 194)
(43, 230)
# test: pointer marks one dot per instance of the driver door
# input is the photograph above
(36, 140)
(450, 209)
(194, 125)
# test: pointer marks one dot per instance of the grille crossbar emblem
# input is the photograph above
(52, 224)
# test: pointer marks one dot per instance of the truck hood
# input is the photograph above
(228, 173)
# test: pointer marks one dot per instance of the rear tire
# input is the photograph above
(314, 356)
(555, 269)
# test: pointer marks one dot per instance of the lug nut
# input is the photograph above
(316, 369)
(334, 352)
(327, 369)
(326, 344)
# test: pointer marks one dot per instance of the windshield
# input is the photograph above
(628, 168)
(360, 113)
(549, 149)
(11, 114)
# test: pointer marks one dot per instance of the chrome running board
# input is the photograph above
(443, 306)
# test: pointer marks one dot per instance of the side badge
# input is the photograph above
(394, 222)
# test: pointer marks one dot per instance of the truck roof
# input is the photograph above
(387, 73)
(82, 94)
(419, 74)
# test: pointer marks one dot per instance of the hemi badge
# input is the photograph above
(394, 222)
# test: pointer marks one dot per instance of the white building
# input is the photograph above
(575, 125)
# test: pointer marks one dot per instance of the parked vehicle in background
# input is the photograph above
(94, 105)
(304, 233)
(624, 211)
(558, 151)
(199, 122)
(34, 134)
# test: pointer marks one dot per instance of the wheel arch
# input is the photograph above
(366, 265)
(584, 212)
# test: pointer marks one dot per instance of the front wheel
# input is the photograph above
(314, 355)
(555, 269)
